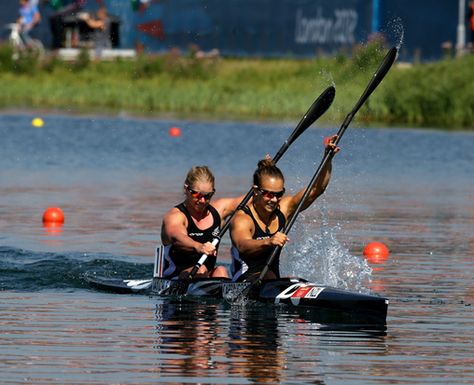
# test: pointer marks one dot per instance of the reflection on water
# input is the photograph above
(255, 342)
(114, 179)
(79, 338)
(259, 344)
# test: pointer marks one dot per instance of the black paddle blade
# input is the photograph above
(378, 76)
(384, 67)
(317, 109)
(375, 81)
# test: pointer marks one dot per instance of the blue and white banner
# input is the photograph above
(245, 27)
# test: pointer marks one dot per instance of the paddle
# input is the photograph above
(317, 109)
(375, 81)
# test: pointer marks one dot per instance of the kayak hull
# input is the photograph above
(293, 292)
(313, 300)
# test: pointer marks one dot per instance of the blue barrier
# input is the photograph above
(273, 28)
(248, 27)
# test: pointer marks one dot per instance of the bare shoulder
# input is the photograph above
(174, 216)
(242, 227)
(174, 221)
(241, 219)
(219, 204)
(225, 206)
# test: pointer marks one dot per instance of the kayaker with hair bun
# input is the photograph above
(256, 229)
(189, 228)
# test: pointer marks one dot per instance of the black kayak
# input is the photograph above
(336, 304)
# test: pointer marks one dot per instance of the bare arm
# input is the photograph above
(93, 23)
(241, 231)
(96, 24)
(173, 231)
(226, 206)
(288, 205)
(36, 19)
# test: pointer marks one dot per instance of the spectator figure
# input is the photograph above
(56, 21)
(101, 26)
(29, 18)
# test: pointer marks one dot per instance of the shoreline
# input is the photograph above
(321, 123)
(433, 95)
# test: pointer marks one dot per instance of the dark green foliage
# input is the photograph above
(434, 95)
(6, 58)
(370, 54)
(51, 63)
(145, 67)
(175, 65)
(83, 61)
(191, 66)
(21, 62)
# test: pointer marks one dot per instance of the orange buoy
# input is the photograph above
(53, 215)
(175, 131)
(376, 252)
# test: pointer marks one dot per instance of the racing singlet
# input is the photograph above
(244, 268)
(176, 260)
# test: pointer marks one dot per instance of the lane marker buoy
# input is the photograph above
(37, 122)
(53, 215)
(376, 252)
(175, 132)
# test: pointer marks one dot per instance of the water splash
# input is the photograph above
(394, 32)
(321, 258)
(327, 76)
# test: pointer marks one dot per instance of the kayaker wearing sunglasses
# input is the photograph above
(188, 228)
(257, 228)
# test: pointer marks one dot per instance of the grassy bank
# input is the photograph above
(432, 95)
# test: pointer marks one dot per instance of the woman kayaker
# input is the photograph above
(256, 229)
(189, 228)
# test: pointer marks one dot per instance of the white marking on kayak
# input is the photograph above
(288, 292)
(314, 292)
(137, 283)
(298, 291)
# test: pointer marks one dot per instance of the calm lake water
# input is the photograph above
(115, 177)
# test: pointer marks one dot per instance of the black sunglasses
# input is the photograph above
(271, 194)
(199, 195)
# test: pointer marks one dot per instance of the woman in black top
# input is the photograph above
(188, 228)
(257, 229)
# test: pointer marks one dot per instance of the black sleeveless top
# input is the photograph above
(176, 260)
(245, 268)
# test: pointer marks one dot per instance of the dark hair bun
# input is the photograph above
(264, 163)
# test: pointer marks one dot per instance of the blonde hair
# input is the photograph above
(199, 173)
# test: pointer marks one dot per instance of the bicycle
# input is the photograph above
(21, 45)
